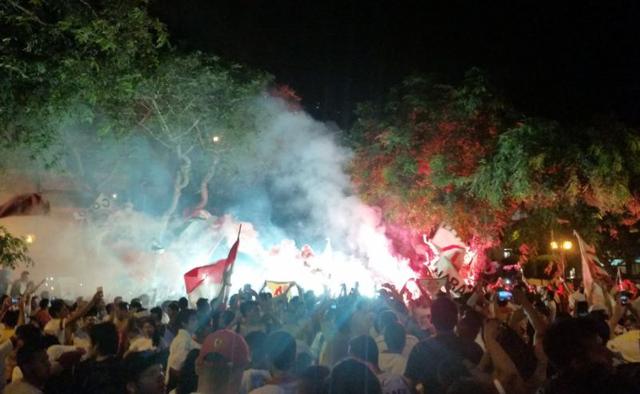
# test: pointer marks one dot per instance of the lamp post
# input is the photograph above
(561, 248)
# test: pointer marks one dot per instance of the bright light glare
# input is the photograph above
(554, 245)
(30, 238)
(216, 139)
(114, 195)
(567, 245)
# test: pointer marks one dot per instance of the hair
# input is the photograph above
(44, 303)
(184, 316)
(155, 340)
(27, 354)
(104, 336)
(353, 377)
(55, 308)
(384, 317)
(281, 350)
(109, 308)
(365, 349)
(123, 306)
(444, 314)
(202, 304)
(247, 306)
(567, 340)
(312, 380)
(28, 333)
(395, 336)
(11, 318)
(257, 341)
(173, 306)
(183, 303)
(136, 304)
(156, 313)
(227, 317)
(188, 382)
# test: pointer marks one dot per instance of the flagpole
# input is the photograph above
(229, 273)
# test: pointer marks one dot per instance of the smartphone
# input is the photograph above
(504, 295)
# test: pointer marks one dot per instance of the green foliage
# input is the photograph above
(72, 62)
(461, 155)
(13, 250)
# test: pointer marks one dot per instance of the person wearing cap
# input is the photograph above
(222, 359)
(143, 373)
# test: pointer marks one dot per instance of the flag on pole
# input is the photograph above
(594, 277)
(24, 204)
(206, 281)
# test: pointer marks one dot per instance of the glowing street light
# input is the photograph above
(554, 245)
(567, 245)
(215, 139)
(30, 238)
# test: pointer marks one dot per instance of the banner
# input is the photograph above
(449, 262)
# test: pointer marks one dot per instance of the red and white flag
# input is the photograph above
(594, 277)
(24, 204)
(206, 281)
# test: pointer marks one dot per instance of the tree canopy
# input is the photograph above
(461, 155)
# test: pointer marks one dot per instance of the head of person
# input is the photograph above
(136, 305)
(183, 303)
(469, 325)
(250, 310)
(226, 318)
(395, 336)
(353, 377)
(364, 348)
(202, 306)
(575, 344)
(10, 318)
(187, 320)
(156, 314)
(104, 339)
(44, 303)
(58, 309)
(422, 316)
(384, 318)
(24, 275)
(121, 310)
(172, 310)
(312, 380)
(143, 373)
(281, 351)
(117, 300)
(221, 362)
(27, 334)
(34, 363)
(256, 341)
(444, 314)
(149, 327)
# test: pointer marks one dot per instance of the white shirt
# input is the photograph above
(180, 347)
(55, 328)
(287, 388)
(21, 387)
(140, 344)
(392, 363)
(393, 384)
(410, 342)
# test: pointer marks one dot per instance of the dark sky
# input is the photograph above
(561, 59)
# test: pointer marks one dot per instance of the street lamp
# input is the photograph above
(567, 245)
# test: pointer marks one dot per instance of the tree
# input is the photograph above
(13, 250)
(461, 155)
(72, 63)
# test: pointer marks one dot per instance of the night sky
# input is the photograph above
(560, 59)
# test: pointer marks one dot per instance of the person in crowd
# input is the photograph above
(335, 337)
(251, 318)
(100, 373)
(20, 285)
(424, 360)
(384, 318)
(583, 362)
(312, 380)
(150, 331)
(392, 360)
(353, 377)
(280, 348)
(61, 318)
(143, 373)
(258, 372)
(42, 316)
(34, 363)
(223, 357)
(181, 345)
(188, 382)
(364, 349)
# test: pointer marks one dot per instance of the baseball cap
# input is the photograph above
(227, 344)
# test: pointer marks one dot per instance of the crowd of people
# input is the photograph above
(515, 339)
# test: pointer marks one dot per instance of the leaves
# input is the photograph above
(13, 250)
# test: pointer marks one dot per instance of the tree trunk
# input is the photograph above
(181, 181)
(204, 186)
